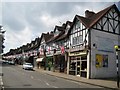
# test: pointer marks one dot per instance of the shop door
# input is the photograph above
(78, 66)
(62, 63)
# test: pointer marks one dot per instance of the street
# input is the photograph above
(16, 77)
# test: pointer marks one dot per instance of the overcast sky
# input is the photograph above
(25, 21)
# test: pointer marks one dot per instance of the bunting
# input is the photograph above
(62, 49)
(41, 51)
(49, 49)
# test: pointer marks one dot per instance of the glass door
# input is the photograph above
(78, 66)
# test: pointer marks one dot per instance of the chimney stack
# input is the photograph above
(48, 33)
(51, 32)
(88, 13)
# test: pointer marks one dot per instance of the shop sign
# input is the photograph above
(50, 53)
(57, 52)
(77, 53)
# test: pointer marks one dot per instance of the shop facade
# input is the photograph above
(92, 53)
(78, 63)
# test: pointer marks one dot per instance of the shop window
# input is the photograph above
(73, 66)
(84, 65)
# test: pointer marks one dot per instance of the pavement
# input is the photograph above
(105, 83)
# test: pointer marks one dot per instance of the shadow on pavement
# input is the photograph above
(109, 79)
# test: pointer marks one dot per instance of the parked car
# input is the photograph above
(28, 66)
(5, 62)
(11, 62)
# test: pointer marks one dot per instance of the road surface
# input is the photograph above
(16, 77)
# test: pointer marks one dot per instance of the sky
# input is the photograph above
(26, 20)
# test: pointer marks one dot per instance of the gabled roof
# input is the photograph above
(100, 14)
(88, 22)
(59, 28)
(64, 35)
(84, 20)
(46, 36)
(53, 38)
(35, 43)
(68, 22)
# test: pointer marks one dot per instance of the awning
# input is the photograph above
(39, 59)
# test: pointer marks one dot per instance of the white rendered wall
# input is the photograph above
(111, 40)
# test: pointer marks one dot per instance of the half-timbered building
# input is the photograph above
(54, 48)
(43, 48)
(92, 40)
(63, 43)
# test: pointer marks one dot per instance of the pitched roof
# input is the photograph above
(90, 21)
(68, 22)
(96, 17)
(59, 28)
(47, 36)
(84, 20)
(64, 35)
(53, 38)
(36, 43)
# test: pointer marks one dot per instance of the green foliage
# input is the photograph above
(49, 62)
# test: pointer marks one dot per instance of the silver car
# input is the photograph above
(28, 66)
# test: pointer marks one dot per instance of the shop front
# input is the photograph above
(49, 63)
(77, 63)
(60, 62)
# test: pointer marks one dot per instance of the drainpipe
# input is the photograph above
(89, 48)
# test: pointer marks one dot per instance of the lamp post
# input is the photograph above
(117, 48)
(44, 52)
